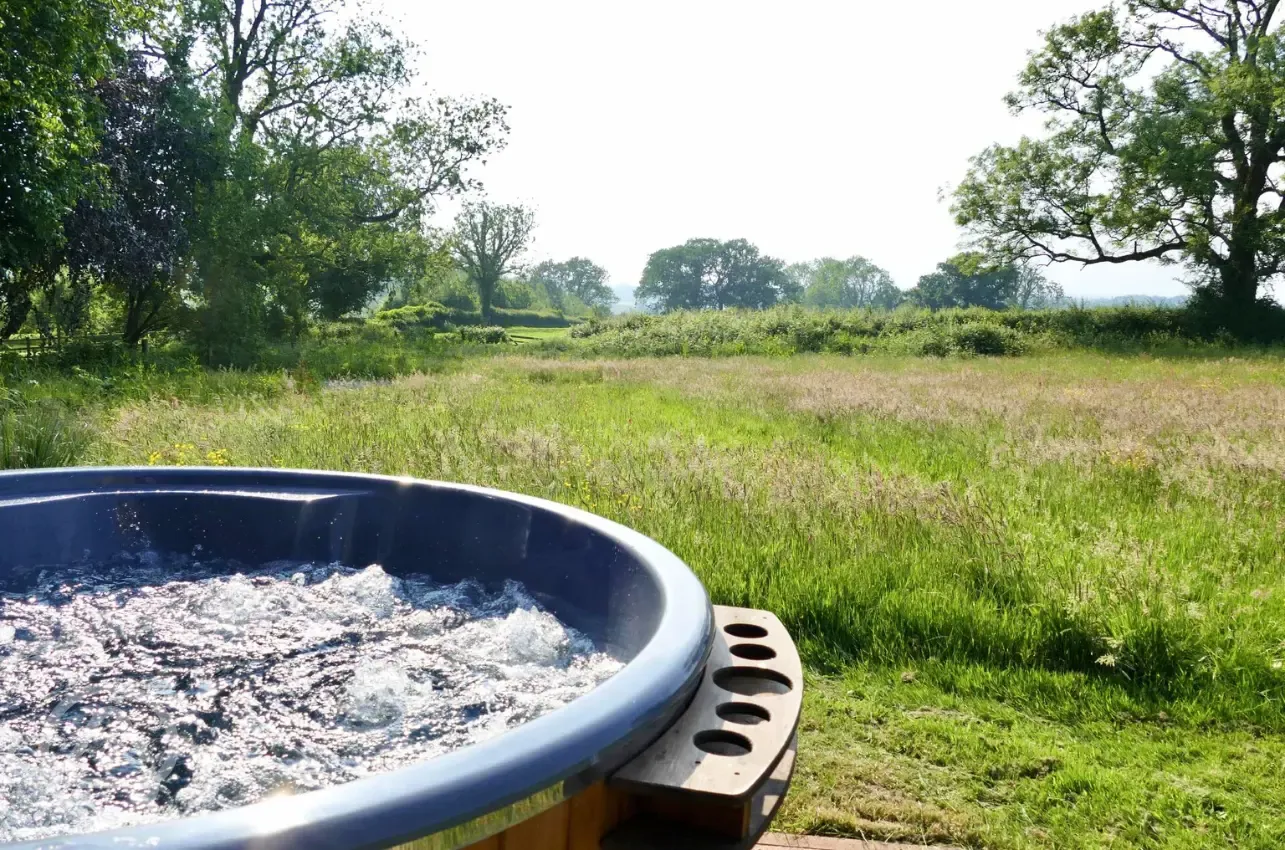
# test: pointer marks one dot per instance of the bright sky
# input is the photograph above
(809, 128)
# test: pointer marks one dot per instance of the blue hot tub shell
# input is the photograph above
(628, 593)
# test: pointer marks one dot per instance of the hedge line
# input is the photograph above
(787, 330)
(439, 317)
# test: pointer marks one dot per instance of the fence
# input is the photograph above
(32, 345)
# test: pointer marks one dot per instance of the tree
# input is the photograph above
(1033, 291)
(134, 235)
(1166, 142)
(705, 274)
(967, 280)
(51, 52)
(846, 284)
(330, 168)
(489, 239)
(578, 276)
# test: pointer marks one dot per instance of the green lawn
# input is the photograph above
(1041, 600)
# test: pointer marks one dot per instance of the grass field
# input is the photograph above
(1041, 600)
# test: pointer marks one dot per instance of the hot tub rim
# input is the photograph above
(613, 722)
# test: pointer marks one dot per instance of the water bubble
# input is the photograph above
(153, 686)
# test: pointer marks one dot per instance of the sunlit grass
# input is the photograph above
(1041, 600)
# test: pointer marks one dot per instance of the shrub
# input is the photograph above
(430, 316)
(488, 335)
(788, 330)
(458, 301)
(443, 317)
(530, 319)
(38, 434)
(986, 339)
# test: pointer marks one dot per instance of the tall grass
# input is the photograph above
(1004, 517)
(41, 434)
(1041, 600)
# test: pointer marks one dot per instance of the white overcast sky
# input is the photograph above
(809, 128)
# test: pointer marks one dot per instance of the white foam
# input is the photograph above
(156, 687)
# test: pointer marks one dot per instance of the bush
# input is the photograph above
(971, 331)
(38, 434)
(986, 339)
(488, 335)
(430, 316)
(458, 301)
(442, 317)
(1211, 319)
(530, 319)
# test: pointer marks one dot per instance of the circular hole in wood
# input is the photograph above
(752, 681)
(720, 742)
(753, 651)
(744, 713)
(745, 630)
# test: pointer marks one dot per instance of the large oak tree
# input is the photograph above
(488, 243)
(1166, 141)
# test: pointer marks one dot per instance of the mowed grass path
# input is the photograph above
(1041, 601)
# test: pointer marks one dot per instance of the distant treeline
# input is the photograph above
(708, 274)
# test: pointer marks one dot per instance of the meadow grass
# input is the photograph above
(1041, 600)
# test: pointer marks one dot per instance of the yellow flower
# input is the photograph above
(218, 457)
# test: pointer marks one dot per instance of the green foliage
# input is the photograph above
(440, 317)
(517, 295)
(577, 278)
(491, 335)
(791, 330)
(854, 283)
(438, 280)
(41, 433)
(1039, 600)
(530, 319)
(967, 281)
(236, 194)
(419, 316)
(51, 52)
(488, 241)
(134, 236)
(706, 274)
(1165, 126)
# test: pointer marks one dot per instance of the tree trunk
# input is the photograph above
(1239, 275)
(133, 320)
(15, 304)
(485, 295)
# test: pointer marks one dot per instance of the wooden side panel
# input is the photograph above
(549, 830)
(730, 821)
(492, 843)
(590, 811)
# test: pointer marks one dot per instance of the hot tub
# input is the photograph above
(565, 779)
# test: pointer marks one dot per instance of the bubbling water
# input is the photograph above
(154, 687)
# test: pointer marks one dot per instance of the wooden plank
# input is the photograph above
(772, 793)
(726, 820)
(548, 830)
(755, 678)
(591, 817)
